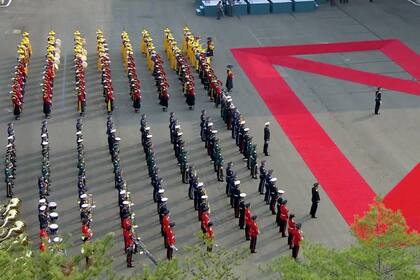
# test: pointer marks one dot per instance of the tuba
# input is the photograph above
(11, 216)
(14, 203)
(18, 228)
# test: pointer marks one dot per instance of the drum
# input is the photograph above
(52, 206)
(53, 216)
(53, 228)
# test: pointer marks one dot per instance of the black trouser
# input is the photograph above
(169, 252)
(129, 258)
(253, 243)
(295, 251)
(265, 150)
(377, 105)
(267, 196)
(289, 240)
(314, 207)
(247, 232)
(261, 186)
(283, 228)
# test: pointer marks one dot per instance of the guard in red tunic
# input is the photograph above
(170, 241)
(248, 220)
(129, 245)
(284, 214)
(229, 78)
(190, 93)
(291, 227)
(43, 235)
(297, 238)
(86, 232)
(164, 98)
(253, 232)
(209, 236)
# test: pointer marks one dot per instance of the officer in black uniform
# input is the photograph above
(378, 100)
(263, 173)
(315, 200)
(266, 138)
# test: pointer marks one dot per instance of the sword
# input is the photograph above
(145, 251)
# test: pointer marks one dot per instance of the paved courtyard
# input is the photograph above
(383, 149)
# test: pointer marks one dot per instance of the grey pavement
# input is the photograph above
(383, 149)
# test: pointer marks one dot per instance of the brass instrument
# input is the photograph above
(18, 228)
(14, 203)
(11, 216)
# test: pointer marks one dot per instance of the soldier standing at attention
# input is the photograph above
(266, 138)
(315, 200)
(229, 78)
(253, 232)
(378, 100)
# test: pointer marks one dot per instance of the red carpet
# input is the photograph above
(340, 180)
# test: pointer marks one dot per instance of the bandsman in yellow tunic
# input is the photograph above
(186, 33)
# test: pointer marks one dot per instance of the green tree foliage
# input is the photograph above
(386, 249)
(18, 262)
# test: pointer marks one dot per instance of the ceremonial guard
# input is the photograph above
(263, 173)
(52, 63)
(291, 227)
(129, 62)
(253, 233)
(80, 64)
(229, 78)
(266, 138)
(378, 100)
(17, 92)
(104, 64)
(210, 48)
(315, 200)
(297, 238)
(284, 215)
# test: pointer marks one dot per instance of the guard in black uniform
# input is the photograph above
(315, 200)
(266, 138)
(378, 100)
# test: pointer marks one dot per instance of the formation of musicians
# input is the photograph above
(158, 190)
(104, 68)
(80, 64)
(17, 92)
(47, 210)
(10, 161)
(155, 67)
(51, 67)
(129, 62)
(86, 204)
(179, 63)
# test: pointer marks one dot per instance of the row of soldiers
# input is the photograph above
(10, 161)
(129, 62)
(179, 63)
(131, 242)
(200, 59)
(158, 190)
(86, 203)
(47, 211)
(273, 195)
(104, 68)
(80, 64)
(197, 190)
(155, 66)
(235, 122)
(175, 134)
(50, 69)
(211, 142)
(24, 51)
